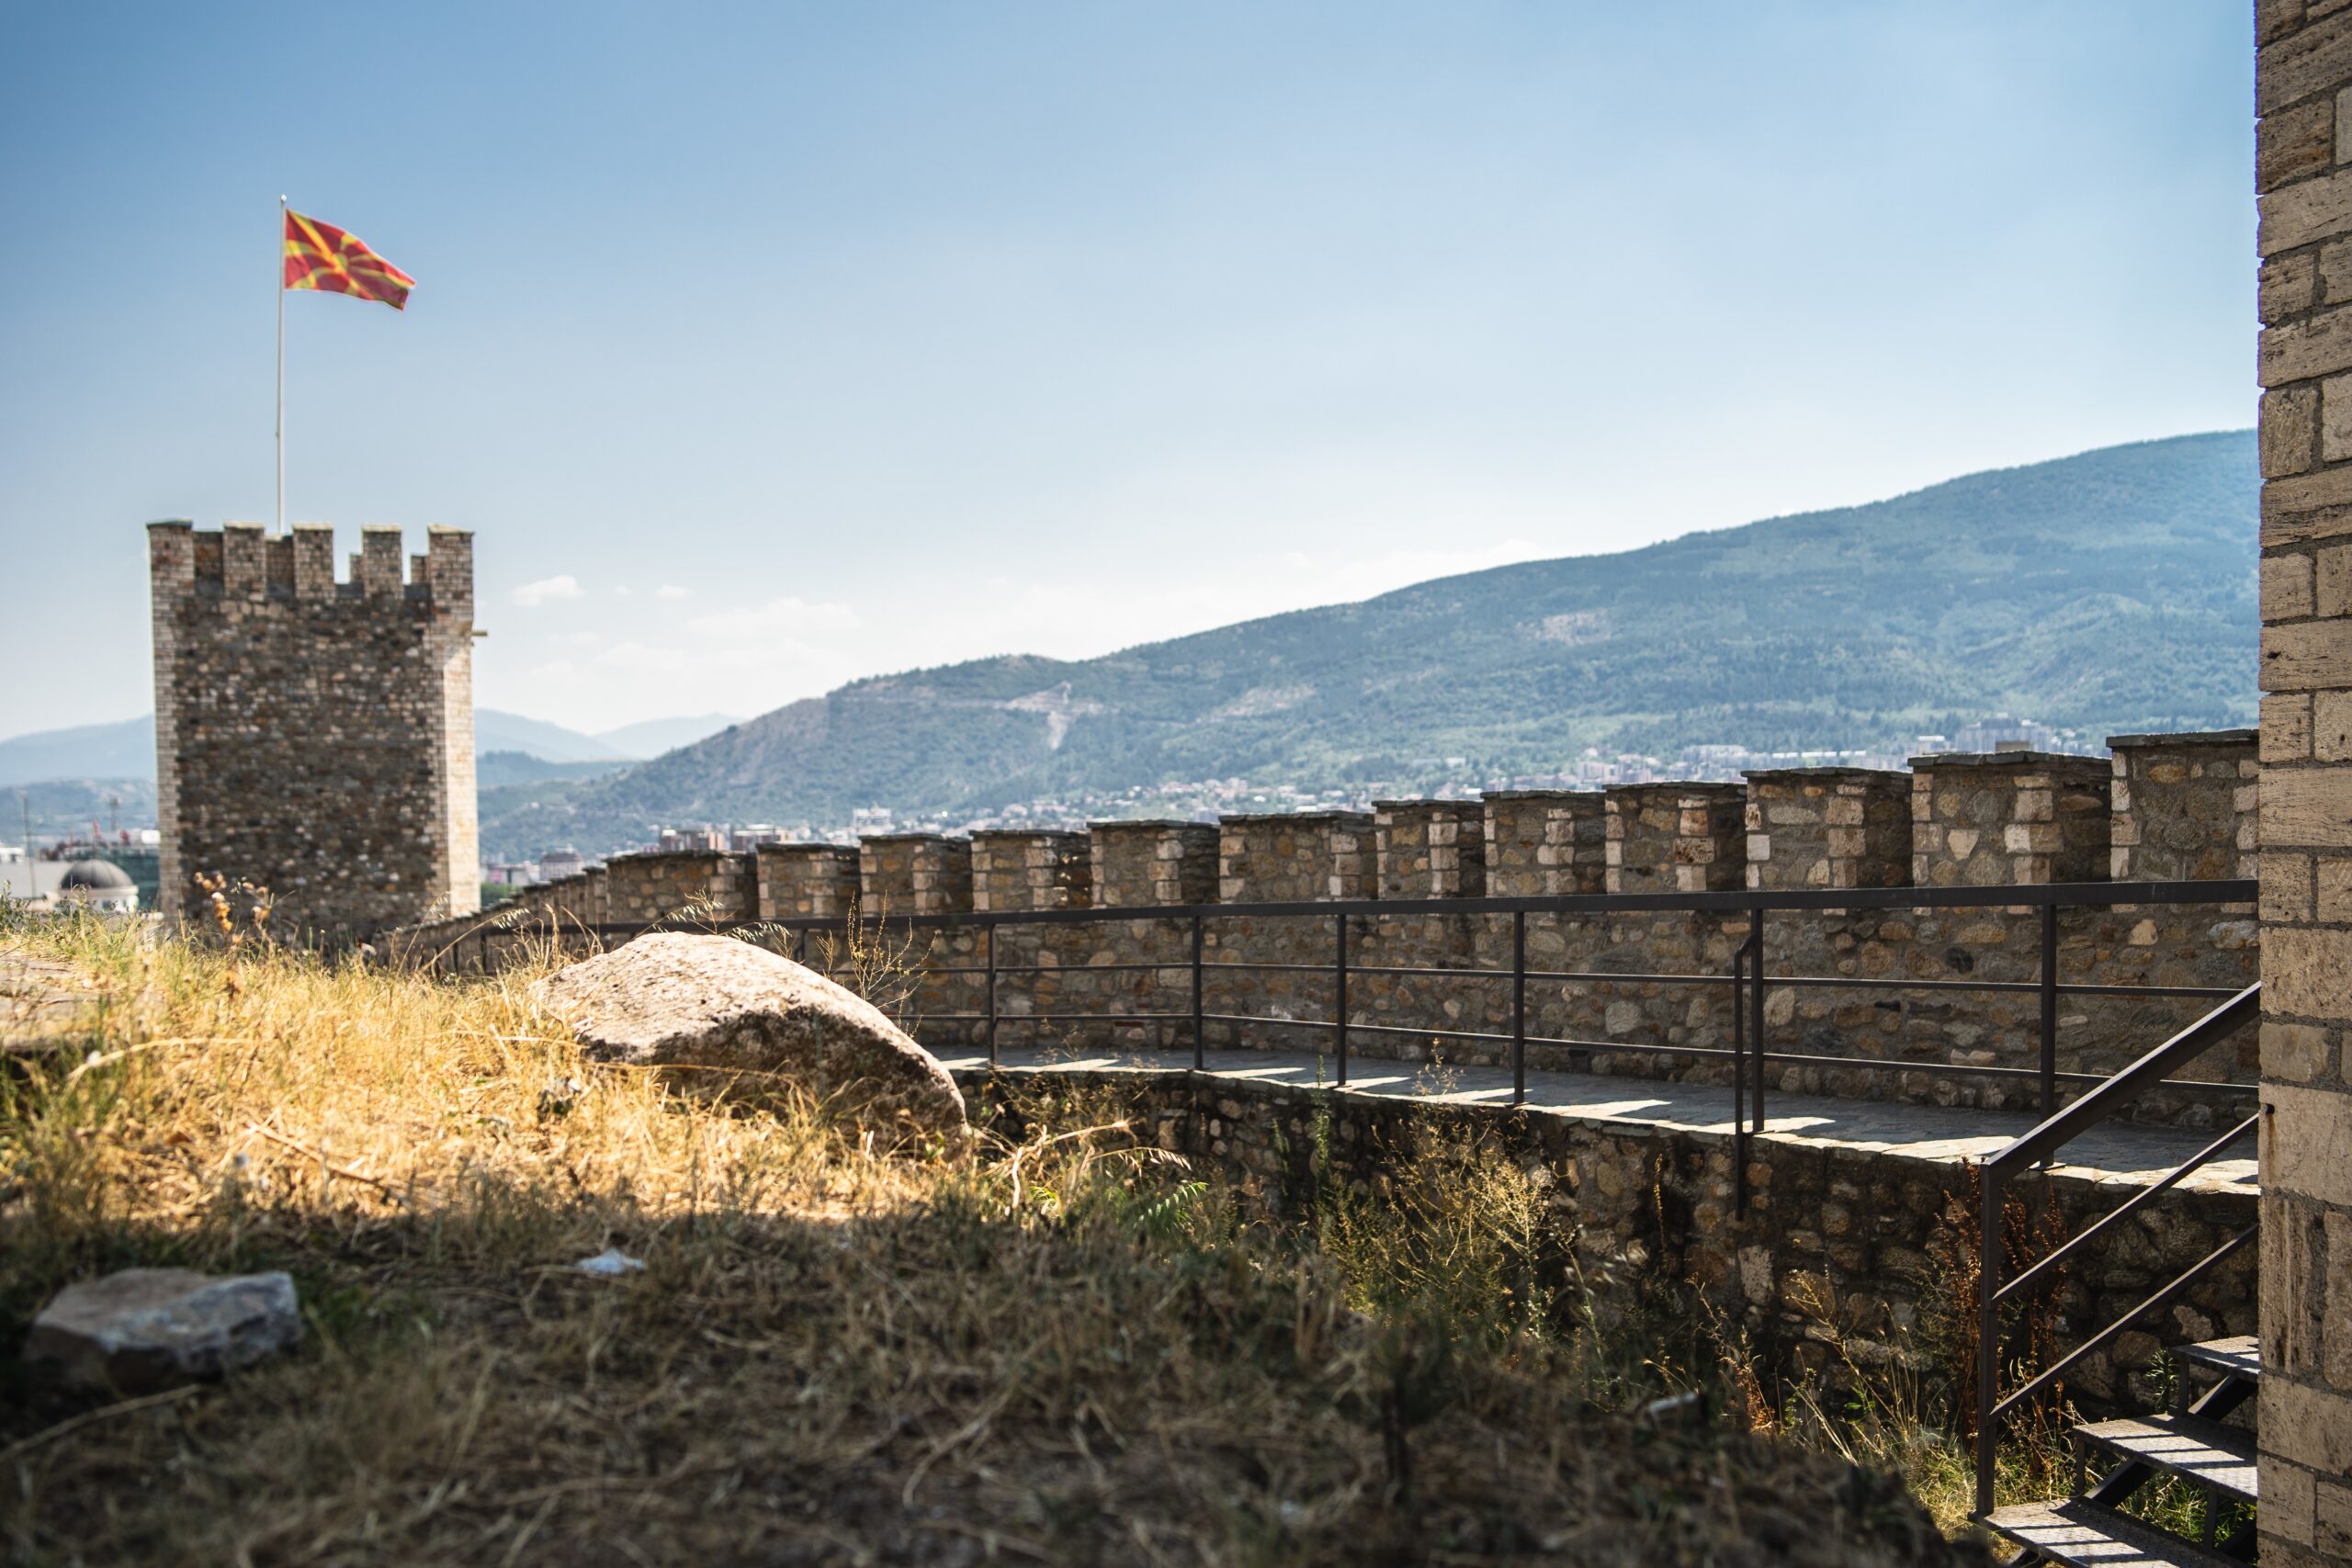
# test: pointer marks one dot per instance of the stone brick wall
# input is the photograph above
(1828, 828)
(812, 881)
(1835, 1234)
(1032, 870)
(1542, 843)
(312, 736)
(1676, 838)
(683, 887)
(2184, 805)
(1613, 978)
(914, 874)
(2303, 93)
(1431, 848)
(1979, 821)
(1279, 859)
(1147, 862)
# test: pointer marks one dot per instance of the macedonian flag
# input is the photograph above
(320, 255)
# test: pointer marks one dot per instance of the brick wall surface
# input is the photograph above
(816, 881)
(1431, 848)
(1828, 828)
(2303, 180)
(914, 874)
(312, 736)
(1145, 863)
(1982, 819)
(1676, 838)
(1543, 842)
(1890, 1045)
(1032, 870)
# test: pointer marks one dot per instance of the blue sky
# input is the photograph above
(767, 347)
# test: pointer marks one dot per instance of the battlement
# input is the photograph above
(315, 736)
(242, 562)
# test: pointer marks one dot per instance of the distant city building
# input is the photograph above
(557, 864)
(2006, 732)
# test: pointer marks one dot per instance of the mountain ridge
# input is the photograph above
(2112, 590)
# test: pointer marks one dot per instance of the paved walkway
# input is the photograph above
(2111, 1152)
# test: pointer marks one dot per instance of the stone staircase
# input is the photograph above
(2194, 1444)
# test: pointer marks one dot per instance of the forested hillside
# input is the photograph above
(2108, 591)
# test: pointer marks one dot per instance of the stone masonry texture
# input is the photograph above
(1136, 865)
(312, 736)
(1833, 1236)
(2304, 183)
(1431, 848)
(1828, 828)
(1596, 978)
(1032, 870)
(1544, 842)
(1982, 819)
(1677, 838)
(915, 874)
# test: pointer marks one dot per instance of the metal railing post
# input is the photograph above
(989, 932)
(1988, 1335)
(1740, 1079)
(1519, 1007)
(1200, 1049)
(2049, 1009)
(1340, 974)
(1756, 1012)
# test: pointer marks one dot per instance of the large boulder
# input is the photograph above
(670, 999)
(149, 1328)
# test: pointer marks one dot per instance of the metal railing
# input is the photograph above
(2115, 1095)
(1748, 1056)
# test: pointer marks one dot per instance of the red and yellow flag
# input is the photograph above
(320, 255)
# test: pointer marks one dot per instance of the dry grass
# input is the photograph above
(1067, 1349)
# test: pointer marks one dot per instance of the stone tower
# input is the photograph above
(313, 736)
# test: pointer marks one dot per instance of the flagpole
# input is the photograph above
(280, 277)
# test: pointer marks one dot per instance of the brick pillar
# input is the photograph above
(1310, 854)
(914, 874)
(1989, 819)
(1828, 828)
(1431, 848)
(2303, 90)
(1541, 842)
(819, 880)
(1027, 869)
(2184, 805)
(1143, 864)
(1677, 838)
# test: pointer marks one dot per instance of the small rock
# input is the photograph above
(611, 1263)
(150, 1329)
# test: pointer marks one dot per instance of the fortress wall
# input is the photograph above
(806, 880)
(2303, 145)
(683, 888)
(1676, 838)
(1147, 862)
(1544, 842)
(1828, 828)
(2191, 796)
(914, 874)
(1032, 870)
(1836, 1236)
(1431, 848)
(315, 738)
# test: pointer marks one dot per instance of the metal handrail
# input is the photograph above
(2038, 1145)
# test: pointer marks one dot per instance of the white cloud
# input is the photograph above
(787, 617)
(531, 595)
(671, 591)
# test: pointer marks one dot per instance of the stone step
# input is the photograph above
(2238, 1357)
(2218, 1458)
(2081, 1534)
